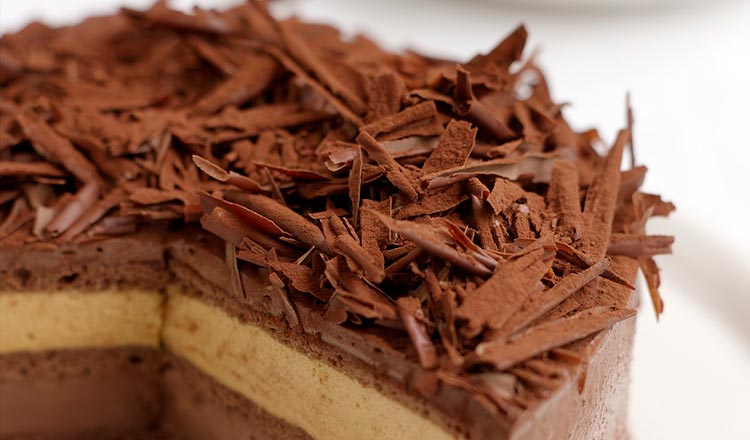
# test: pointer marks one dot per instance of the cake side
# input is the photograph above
(370, 366)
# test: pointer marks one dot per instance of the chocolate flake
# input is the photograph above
(538, 167)
(454, 147)
(393, 171)
(409, 309)
(503, 294)
(507, 352)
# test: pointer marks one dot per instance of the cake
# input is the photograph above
(220, 225)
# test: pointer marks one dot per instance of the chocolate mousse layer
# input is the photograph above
(94, 393)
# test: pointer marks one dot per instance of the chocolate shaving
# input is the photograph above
(286, 218)
(301, 278)
(504, 194)
(503, 294)
(434, 203)
(507, 352)
(278, 291)
(55, 148)
(248, 82)
(539, 168)
(79, 204)
(412, 121)
(230, 255)
(469, 107)
(28, 169)
(431, 242)
(653, 280)
(385, 91)
(410, 311)
(359, 296)
(454, 147)
(355, 185)
(229, 177)
(393, 171)
(541, 303)
(637, 245)
(565, 201)
(599, 207)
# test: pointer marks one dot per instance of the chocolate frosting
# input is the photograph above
(379, 193)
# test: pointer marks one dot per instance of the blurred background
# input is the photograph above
(686, 64)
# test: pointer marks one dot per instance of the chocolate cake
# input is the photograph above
(220, 225)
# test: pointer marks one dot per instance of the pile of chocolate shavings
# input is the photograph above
(450, 202)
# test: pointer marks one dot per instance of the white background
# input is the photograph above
(687, 65)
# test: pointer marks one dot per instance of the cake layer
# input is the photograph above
(45, 320)
(307, 393)
(90, 393)
(198, 407)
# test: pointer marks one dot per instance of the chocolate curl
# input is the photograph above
(255, 120)
(229, 177)
(29, 169)
(583, 261)
(645, 206)
(229, 227)
(374, 234)
(202, 21)
(434, 203)
(537, 305)
(359, 296)
(303, 76)
(564, 200)
(355, 185)
(504, 194)
(291, 222)
(410, 311)
(56, 148)
(469, 107)
(385, 91)
(599, 207)
(406, 121)
(96, 213)
(344, 244)
(279, 293)
(301, 278)
(637, 245)
(255, 75)
(453, 149)
(538, 167)
(252, 218)
(507, 352)
(78, 206)
(393, 171)
(630, 122)
(230, 257)
(509, 287)
(307, 57)
(427, 239)
(508, 51)
(653, 281)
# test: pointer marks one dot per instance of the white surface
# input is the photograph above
(687, 68)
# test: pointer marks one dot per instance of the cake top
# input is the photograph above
(449, 201)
